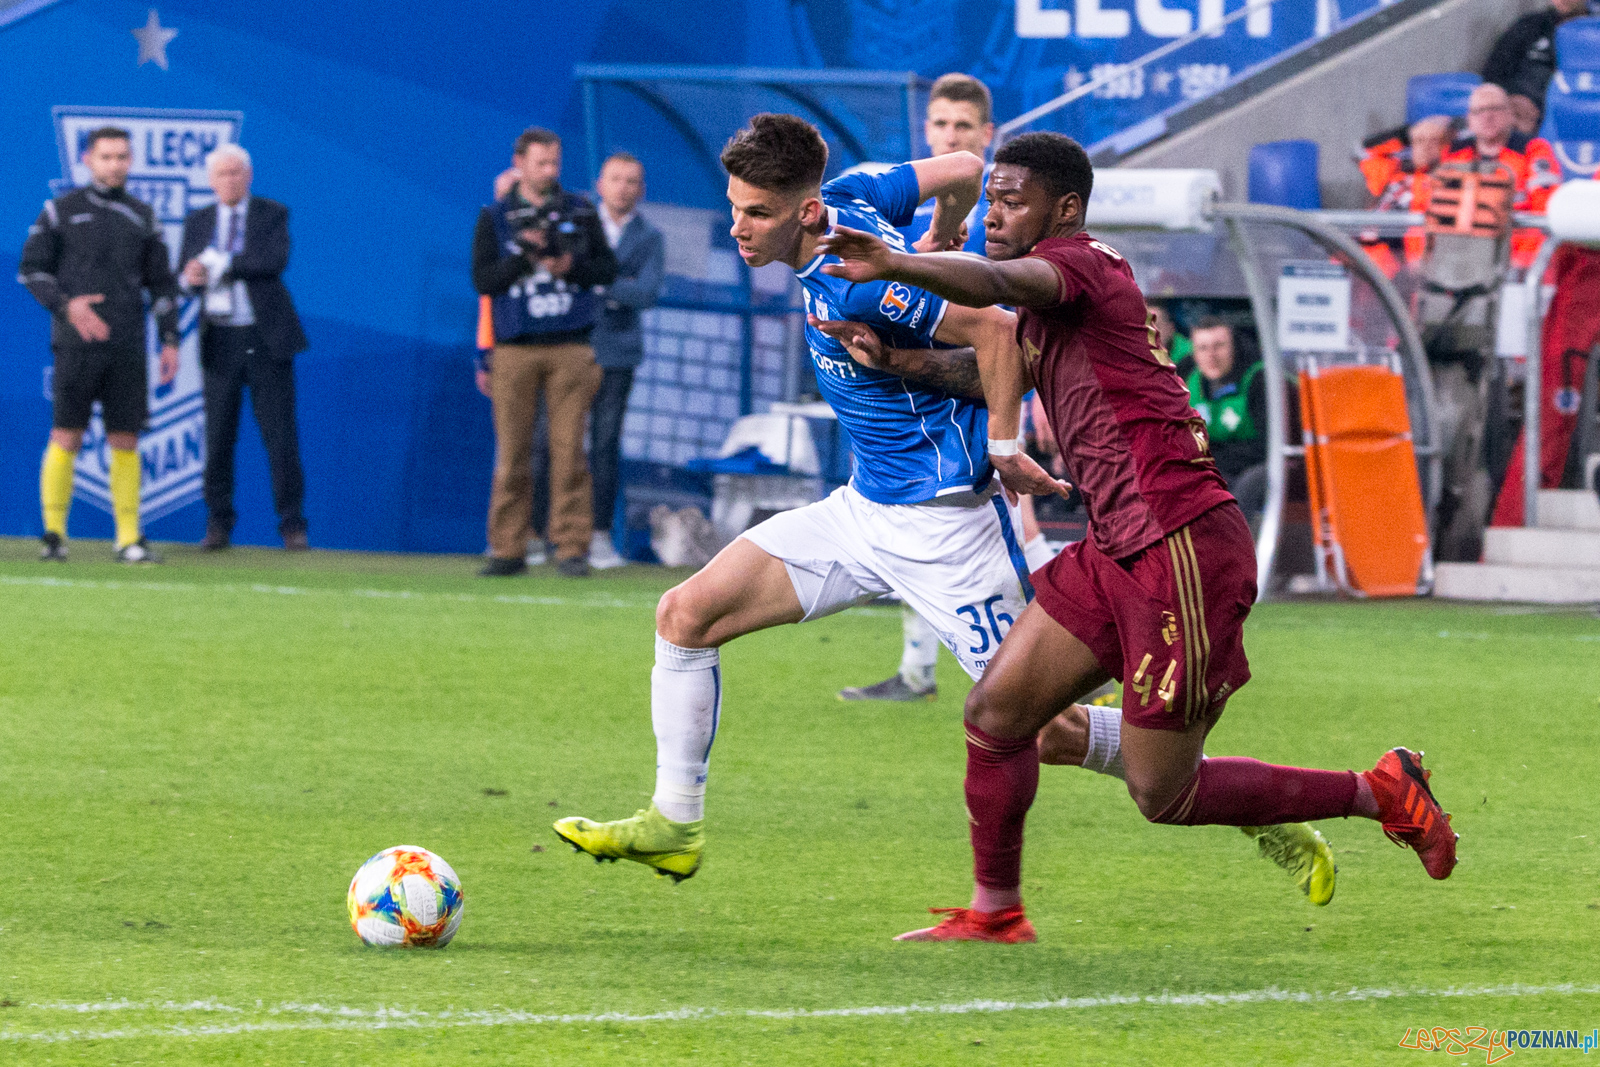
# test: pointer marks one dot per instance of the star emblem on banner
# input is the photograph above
(153, 39)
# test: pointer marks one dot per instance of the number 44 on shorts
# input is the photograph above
(1144, 679)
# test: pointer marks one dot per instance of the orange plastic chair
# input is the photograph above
(1367, 516)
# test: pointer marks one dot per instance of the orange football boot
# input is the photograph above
(1411, 817)
(1007, 927)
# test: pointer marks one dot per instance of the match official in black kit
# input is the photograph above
(90, 258)
(233, 254)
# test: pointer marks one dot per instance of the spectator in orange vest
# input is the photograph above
(1399, 180)
(1492, 137)
(1407, 188)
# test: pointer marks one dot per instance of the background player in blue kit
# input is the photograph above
(922, 517)
(960, 119)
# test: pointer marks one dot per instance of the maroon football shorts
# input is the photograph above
(1166, 621)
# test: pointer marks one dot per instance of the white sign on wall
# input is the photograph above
(1313, 307)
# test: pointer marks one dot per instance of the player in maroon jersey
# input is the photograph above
(1157, 594)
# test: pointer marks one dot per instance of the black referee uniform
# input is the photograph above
(95, 240)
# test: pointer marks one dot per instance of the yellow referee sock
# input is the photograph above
(125, 494)
(55, 488)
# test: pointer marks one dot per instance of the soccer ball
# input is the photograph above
(407, 897)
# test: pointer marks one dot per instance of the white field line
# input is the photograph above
(261, 588)
(292, 1016)
(297, 590)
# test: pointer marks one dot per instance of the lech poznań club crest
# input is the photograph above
(170, 148)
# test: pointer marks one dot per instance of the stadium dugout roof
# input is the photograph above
(865, 115)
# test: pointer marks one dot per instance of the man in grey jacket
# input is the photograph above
(618, 341)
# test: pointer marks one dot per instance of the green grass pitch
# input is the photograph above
(196, 758)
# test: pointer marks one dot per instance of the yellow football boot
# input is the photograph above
(650, 838)
(1303, 852)
(1107, 696)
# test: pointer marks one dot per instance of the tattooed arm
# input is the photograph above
(949, 370)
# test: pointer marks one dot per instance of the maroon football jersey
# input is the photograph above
(1134, 447)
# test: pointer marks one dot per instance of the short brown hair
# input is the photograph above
(534, 135)
(964, 89)
(1212, 322)
(622, 157)
(106, 133)
(779, 153)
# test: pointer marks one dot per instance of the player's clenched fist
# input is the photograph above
(865, 257)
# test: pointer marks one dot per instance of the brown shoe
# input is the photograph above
(295, 541)
(215, 540)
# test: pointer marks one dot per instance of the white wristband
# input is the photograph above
(1005, 448)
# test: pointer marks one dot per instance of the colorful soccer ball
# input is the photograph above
(405, 897)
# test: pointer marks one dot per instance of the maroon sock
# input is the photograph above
(1246, 792)
(1002, 776)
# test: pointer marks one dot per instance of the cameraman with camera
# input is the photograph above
(538, 252)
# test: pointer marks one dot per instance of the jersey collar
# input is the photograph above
(809, 268)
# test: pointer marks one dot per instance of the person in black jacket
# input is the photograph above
(89, 259)
(234, 252)
(538, 252)
(1523, 60)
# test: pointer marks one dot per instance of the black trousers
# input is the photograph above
(605, 451)
(233, 358)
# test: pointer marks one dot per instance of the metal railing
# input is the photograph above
(1236, 217)
(1396, 224)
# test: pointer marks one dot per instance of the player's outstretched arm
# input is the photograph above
(961, 278)
(955, 181)
(948, 370)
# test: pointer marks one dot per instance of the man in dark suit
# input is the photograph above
(233, 253)
(618, 341)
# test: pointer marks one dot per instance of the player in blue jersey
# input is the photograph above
(960, 118)
(923, 515)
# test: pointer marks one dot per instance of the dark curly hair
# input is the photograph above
(780, 153)
(1058, 162)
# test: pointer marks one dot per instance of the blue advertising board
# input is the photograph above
(382, 130)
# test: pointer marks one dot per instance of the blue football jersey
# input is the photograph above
(976, 240)
(911, 444)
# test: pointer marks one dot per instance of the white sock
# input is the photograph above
(1105, 742)
(920, 651)
(1037, 552)
(685, 707)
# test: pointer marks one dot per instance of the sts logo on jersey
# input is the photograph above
(896, 301)
(170, 148)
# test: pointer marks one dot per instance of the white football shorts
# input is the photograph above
(958, 565)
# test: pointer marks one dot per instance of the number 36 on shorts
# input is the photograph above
(984, 622)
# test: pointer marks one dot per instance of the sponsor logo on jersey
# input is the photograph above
(896, 301)
(170, 148)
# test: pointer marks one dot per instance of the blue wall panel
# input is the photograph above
(381, 127)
